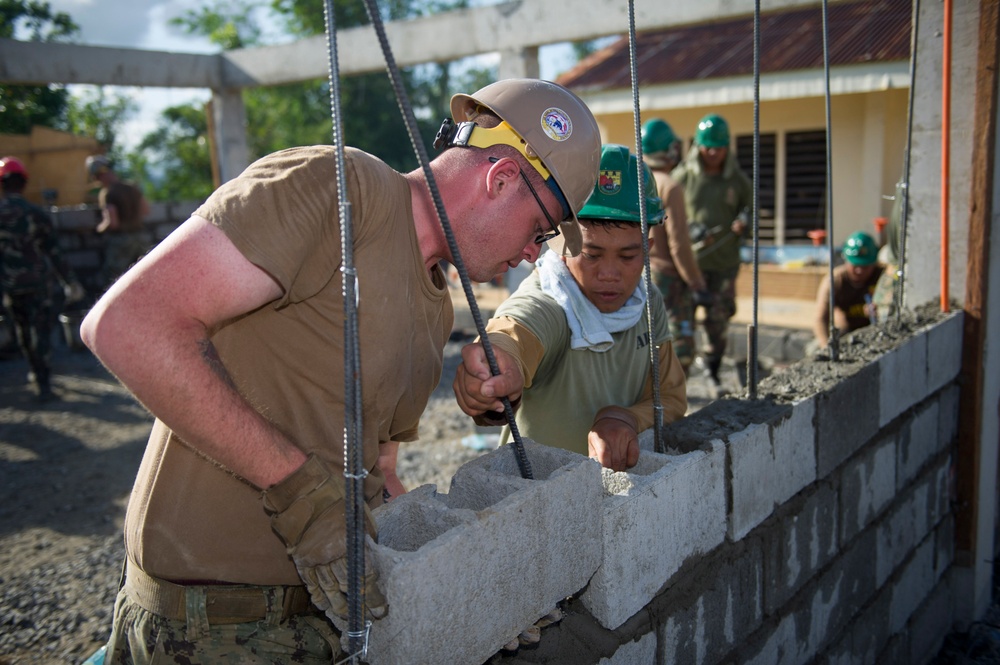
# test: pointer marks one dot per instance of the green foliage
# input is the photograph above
(22, 106)
(173, 163)
(100, 115)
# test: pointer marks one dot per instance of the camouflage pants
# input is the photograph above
(32, 315)
(722, 285)
(121, 251)
(142, 638)
(680, 315)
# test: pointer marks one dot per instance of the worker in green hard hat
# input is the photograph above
(574, 337)
(672, 263)
(718, 196)
(853, 285)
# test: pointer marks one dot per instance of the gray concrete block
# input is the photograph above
(899, 533)
(944, 549)
(849, 583)
(915, 582)
(866, 635)
(778, 644)
(867, 486)
(931, 623)
(465, 572)
(640, 652)
(903, 378)
(939, 505)
(948, 402)
(944, 350)
(802, 541)
(918, 442)
(663, 511)
(781, 450)
(714, 608)
(845, 419)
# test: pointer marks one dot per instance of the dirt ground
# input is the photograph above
(66, 469)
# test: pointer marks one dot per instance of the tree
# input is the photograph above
(22, 106)
(99, 115)
(178, 152)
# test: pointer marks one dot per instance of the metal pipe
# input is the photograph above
(654, 357)
(945, 149)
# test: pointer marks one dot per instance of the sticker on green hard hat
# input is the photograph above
(860, 249)
(616, 195)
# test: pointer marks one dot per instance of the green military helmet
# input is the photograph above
(860, 249)
(616, 196)
(712, 132)
(657, 136)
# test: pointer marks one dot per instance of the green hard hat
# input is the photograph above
(860, 249)
(712, 132)
(616, 196)
(657, 136)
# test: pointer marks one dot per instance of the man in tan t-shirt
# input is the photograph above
(123, 209)
(231, 333)
(671, 259)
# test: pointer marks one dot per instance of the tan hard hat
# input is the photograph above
(554, 125)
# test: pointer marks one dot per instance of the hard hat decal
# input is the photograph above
(610, 182)
(556, 124)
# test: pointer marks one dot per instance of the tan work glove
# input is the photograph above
(307, 513)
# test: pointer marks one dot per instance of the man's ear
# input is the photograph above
(502, 175)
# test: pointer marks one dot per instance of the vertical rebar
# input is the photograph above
(834, 342)
(752, 332)
(900, 288)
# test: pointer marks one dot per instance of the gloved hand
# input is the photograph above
(533, 633)
(702, 298)
(307, 513)
(74, 292)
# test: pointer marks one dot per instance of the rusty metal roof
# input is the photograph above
(859, 32)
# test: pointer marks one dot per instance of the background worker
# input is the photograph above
(671, 260)
(718, 195)
(230, 332)
(30, 261)
(853, 286)
(575, 335)
(123, 209)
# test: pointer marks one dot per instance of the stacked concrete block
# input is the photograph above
(640, 652)
(867, 486)
(944, 351)
(798, 544)
(783, 451)
(866, 636)
(913, 584)
(903, 378)
(660, 513)
(948, 401)
(918, 442)
(465, 572)
(931, 623)
(846, 418)
(713, 606)
(904, 527)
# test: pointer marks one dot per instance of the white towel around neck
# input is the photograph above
(589, 327)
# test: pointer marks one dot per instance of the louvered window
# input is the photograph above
(805, 184)
(744, 155)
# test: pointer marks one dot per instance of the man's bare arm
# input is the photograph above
(151, 330)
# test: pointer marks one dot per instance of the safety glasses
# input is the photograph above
(541, 237)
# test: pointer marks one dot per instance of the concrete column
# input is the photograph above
(519, 63)
(923, 243)
(230, 118)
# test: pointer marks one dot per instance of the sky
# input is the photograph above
(144, 24)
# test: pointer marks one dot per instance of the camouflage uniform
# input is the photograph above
(679, 302)
(29, 262)
(713, 203)
(140, 636)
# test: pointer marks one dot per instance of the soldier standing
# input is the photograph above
(29, 261)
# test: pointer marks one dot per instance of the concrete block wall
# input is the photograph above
(810, 531)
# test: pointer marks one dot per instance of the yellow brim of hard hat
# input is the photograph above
(504, 134)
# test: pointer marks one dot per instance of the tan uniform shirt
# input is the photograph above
(190, 519)
(671, 253)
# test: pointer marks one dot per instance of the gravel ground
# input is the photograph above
(66, 468)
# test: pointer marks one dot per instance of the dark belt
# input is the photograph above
(224, 603)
